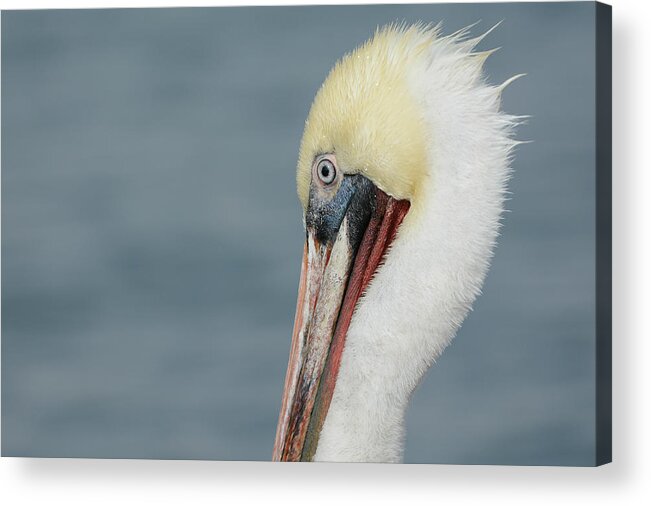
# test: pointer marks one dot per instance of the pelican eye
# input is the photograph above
(326, 171)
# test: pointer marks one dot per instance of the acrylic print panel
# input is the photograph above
(153, 239)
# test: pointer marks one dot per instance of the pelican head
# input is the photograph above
(401, 174)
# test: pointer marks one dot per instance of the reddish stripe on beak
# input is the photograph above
(332, 280)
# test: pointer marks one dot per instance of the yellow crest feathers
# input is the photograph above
(365, 113)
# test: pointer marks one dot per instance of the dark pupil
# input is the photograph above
(325, 171)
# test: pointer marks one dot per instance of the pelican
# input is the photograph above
(402, 173)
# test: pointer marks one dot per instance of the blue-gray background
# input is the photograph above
(151, 236)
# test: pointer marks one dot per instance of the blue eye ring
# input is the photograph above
(326, 171)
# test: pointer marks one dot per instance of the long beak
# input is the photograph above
(333, 276)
